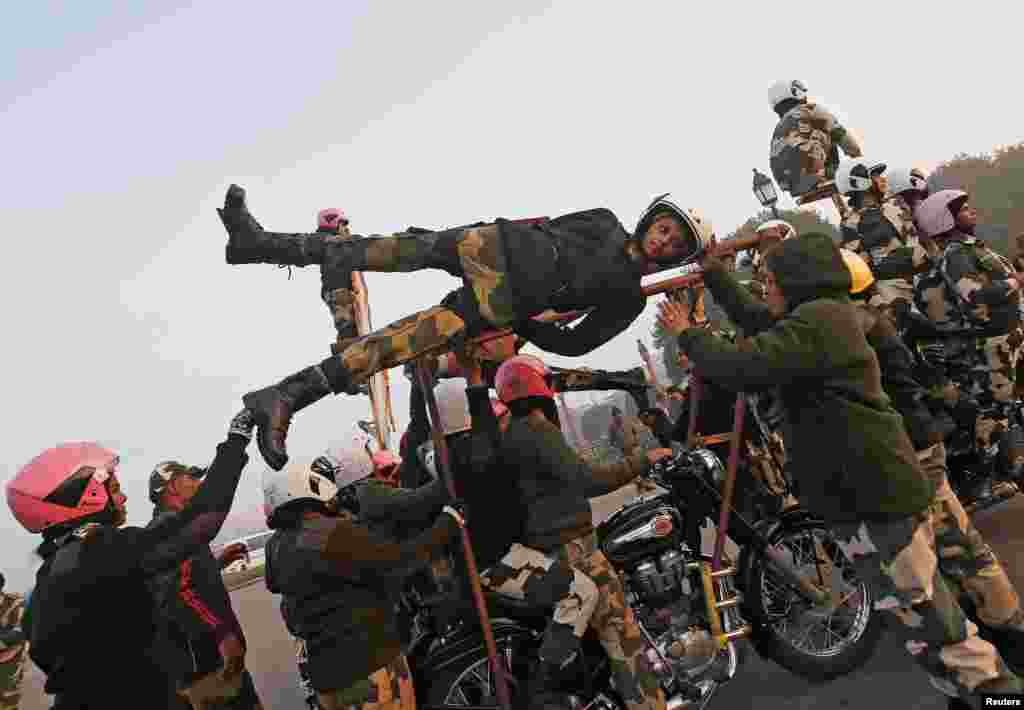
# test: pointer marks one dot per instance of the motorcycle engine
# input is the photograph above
(661, 593)
(661, 580)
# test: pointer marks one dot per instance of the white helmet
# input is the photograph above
(854, 174)
(786, 89)
(453, 407)
(344, 464)
(903, 179)
(699, 226)
(790, 232)
(296, 481)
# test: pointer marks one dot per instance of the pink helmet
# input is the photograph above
(523, 376)
(331, 218)
(933, 216)
(62, 484)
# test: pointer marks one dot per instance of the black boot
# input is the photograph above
(274, 406)
(249, 243)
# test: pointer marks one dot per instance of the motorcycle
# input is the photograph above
(789, 574)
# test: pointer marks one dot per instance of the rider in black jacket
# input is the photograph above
(93, 615)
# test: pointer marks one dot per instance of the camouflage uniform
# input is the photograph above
(524, 573)
(892, 234)
(943, 296)
(476, 254)
(12, 658)
(964, 556)
(804, 148)
(616, 627)
(389, 688)
(898, 561)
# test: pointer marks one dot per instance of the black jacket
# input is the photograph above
(557, 484)
(337, 579)
(574, 262)
(93, 614)
(193, 602)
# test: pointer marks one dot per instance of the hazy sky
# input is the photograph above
(122, 126)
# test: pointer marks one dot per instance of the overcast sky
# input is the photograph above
(124, 123)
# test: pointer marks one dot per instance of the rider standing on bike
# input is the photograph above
(557, 486)
(807, 340)
(963, 554)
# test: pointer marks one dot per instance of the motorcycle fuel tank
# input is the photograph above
(640, 530)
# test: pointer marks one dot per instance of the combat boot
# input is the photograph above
(249, 243)
(275, 406)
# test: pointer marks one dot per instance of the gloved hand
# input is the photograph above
(457, 509)
(242, 424)
(232, 553)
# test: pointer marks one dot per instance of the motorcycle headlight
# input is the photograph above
(714, 470)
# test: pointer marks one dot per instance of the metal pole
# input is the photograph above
(739, 416)
(444, 470)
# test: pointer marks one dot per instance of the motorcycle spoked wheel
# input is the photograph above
(811, 643)
(470, 680)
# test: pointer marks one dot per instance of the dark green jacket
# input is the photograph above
(557, 484)
(847, 447)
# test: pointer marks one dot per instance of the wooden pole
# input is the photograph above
(426, 378)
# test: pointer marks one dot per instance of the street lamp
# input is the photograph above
(764, 191)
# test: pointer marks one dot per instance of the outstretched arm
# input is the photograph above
(175, 538)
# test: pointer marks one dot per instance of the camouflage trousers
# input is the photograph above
(12, 673)
(341, 304)
(898, 561)
(766, 462)
(224, 689)
(617, 629)
(389, 688)
(1001, 354)
(964, 557)
(524, 573)
(475, 254)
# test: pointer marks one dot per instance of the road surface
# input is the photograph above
(889, 680)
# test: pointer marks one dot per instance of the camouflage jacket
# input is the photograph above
(965, 287)
(807, 129)
(12, 608)
(884, 234)
(13, 653)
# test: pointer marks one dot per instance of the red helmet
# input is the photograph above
(61, 485)
(523, 376)
(330, 219)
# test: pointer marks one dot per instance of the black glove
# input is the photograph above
(458, 510)
(242, 424)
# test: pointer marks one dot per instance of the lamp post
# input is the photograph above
(764, 191)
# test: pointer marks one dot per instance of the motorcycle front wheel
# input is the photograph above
(815, 643)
